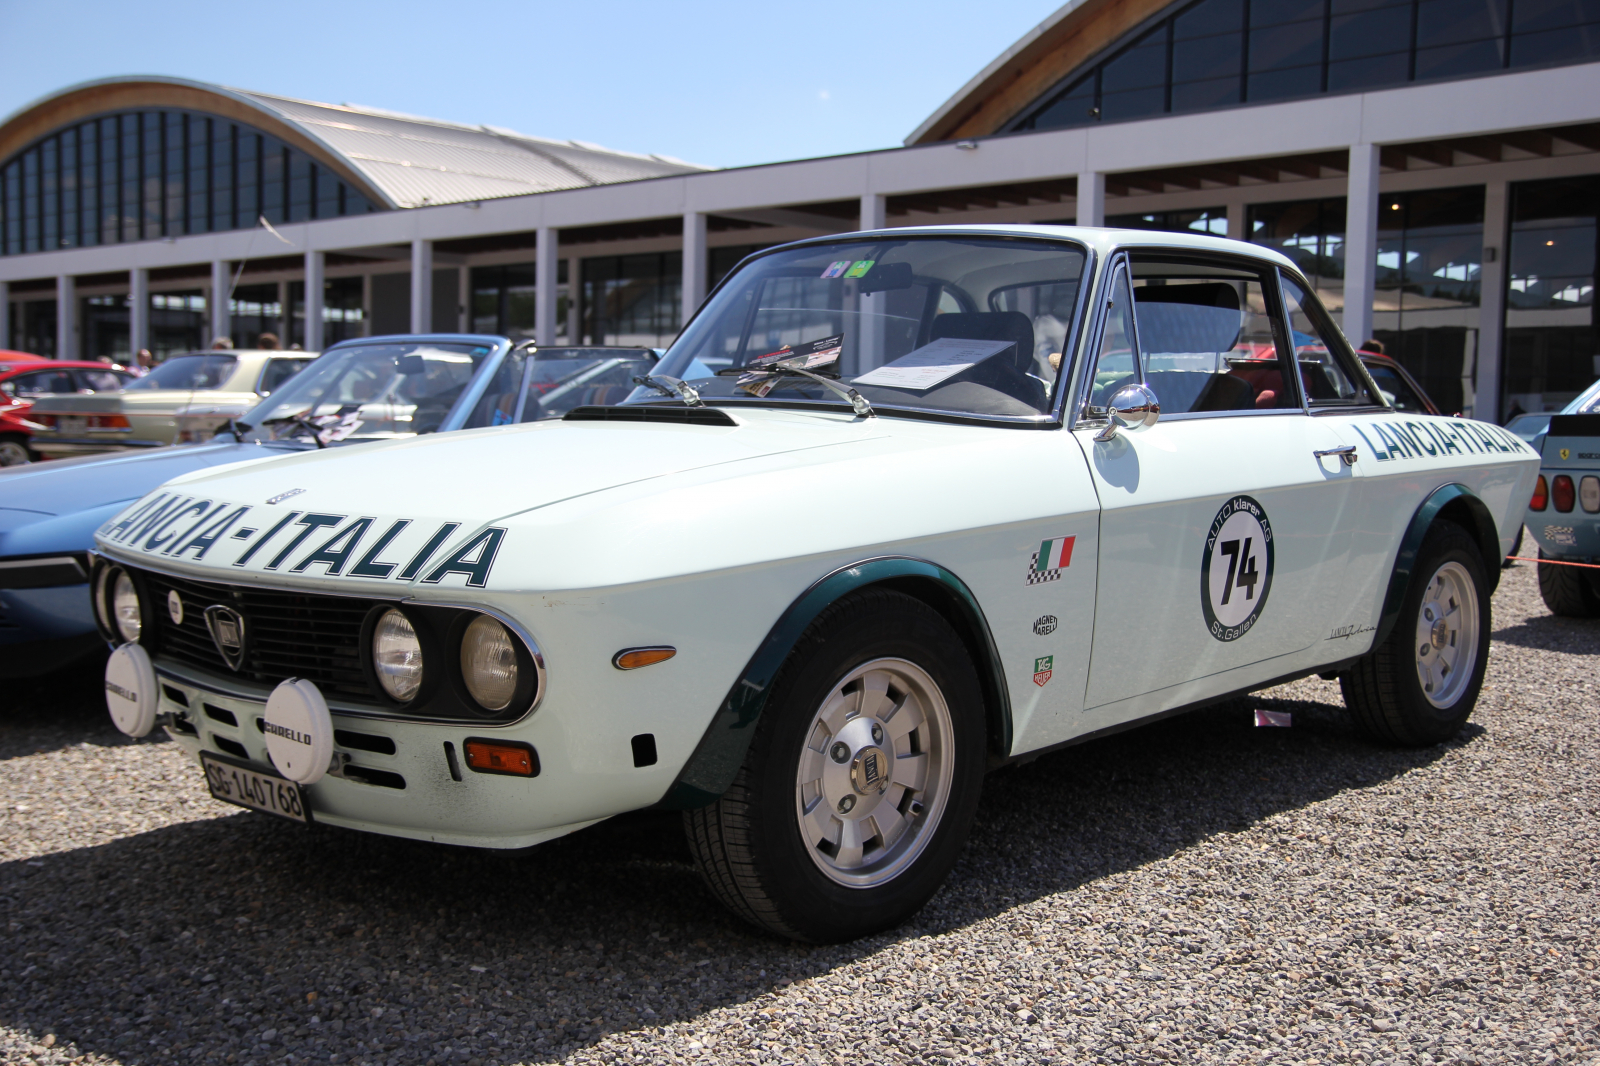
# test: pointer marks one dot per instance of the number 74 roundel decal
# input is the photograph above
(1236, 572)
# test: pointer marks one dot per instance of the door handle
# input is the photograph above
(1346, 454)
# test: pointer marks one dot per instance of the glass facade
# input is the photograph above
(632, 299)
(254, 310)
(1552, 346)
(343, 315)
(503, 300)
(1211, 220)
(1425, 309)
(1311, 233)
(140, 175)
(1212, 54)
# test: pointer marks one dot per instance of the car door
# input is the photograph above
(1223, 531)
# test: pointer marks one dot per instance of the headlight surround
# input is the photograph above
(489, 667)
(397, 658)
(127, 616)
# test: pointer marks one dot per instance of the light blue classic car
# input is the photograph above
(1564, 513)
(361, 390)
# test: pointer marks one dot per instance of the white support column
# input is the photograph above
(5, 314)
(694, 262)
(574, 295)
(1485, 395)
(1091, 198)
(546, 260)
(1236, 221)
(463, 298)
(421, 286)
(315, 264)
(138, 312)
(221, 312)
(874, 210)
(1360, 242)
(66, 317)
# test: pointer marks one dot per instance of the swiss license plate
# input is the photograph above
(67, 424)
(234, 782)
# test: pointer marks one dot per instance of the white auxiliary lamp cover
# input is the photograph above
(299, 731)
(131, 694)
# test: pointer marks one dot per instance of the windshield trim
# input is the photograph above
(1061, 390)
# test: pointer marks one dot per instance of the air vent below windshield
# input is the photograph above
(684, 416)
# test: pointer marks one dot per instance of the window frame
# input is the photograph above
(1341, 349)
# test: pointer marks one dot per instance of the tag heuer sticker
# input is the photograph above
(1043, 667)
(1236, 568)
(1052, 557)
(1044, 625)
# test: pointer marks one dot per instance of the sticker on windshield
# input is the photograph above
(1236, 568)
(836, 270)
(860, 268)
(927, 366)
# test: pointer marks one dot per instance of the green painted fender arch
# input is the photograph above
(711, 769)
(1455, 503)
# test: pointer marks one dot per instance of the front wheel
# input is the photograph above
(1419, 686)
(861, 782)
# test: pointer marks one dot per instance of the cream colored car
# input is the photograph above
(185, 399)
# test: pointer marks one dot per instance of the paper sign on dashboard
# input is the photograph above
(932, 363)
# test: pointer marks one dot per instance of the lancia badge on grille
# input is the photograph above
(227, 633)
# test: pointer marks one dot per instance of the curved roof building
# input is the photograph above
(1433, 165)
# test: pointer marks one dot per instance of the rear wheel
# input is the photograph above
(14, 451)
(861, 782)
(1568, 591)
(1419, 686)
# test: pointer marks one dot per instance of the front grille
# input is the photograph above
(287, 634)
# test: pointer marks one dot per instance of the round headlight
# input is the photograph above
(125, 608)
(397, 655)
(489, 663)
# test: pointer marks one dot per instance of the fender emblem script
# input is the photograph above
(227, 633)
(280, 497)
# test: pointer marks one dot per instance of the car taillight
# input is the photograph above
(1562, 493)
(43, 420)
(110, 422)
(1541, 495)
(1589, 494)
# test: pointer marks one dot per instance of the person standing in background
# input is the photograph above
(267, 342)
(222, 342)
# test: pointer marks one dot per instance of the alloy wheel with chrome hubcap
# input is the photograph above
(861, 780)
(875, 775)
(1419, 686)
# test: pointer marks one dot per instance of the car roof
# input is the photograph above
(11, 370)
(1102, 239)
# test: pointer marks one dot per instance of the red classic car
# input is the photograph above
(24, 378)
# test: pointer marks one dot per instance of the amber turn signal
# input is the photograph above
(633, 658)
(502, 757)
(1541, 495)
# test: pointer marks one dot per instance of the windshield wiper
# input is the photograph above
(844, 392)
(671, 386)
(304, 423)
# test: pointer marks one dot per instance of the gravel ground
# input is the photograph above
(1196, 891)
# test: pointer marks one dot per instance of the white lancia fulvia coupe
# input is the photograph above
(896, 508)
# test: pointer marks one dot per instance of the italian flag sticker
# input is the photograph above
(1055, 554)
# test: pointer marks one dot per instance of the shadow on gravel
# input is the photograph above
(57, 711)
(1571, 636)
(202, 941)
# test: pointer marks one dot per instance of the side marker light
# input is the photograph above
(502, 757)
(633, 658)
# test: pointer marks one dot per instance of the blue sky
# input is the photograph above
(718, 83)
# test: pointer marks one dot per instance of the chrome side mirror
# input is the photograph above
(1133, 408)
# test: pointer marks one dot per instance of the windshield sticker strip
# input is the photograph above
(258, 545)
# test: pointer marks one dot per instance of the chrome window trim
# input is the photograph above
(1117, 260)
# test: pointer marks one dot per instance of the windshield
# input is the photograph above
(552, 381)
(970, 325)
(369, 390)
(1586, 403)
(188, 372)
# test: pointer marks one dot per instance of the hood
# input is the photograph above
(56, 505)
(426, 508)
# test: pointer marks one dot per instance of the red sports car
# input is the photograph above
(24, 378)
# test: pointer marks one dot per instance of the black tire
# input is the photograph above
(1384, 691)
(750, 845)
(1569, 591)
(1516, 549)
(14, 450)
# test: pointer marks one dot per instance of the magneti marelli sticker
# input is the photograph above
(1236, 568)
